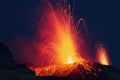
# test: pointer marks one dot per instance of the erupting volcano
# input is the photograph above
(59, 44)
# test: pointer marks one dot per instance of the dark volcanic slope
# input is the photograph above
(6, 59)
(21, 72)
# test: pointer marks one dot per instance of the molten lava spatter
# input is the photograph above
(102, 55)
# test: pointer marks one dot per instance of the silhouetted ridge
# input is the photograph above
(6, 59)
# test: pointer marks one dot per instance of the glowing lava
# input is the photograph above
(102, 55)
(70, 60)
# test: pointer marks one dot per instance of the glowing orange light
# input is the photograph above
(59, 37)
(70, 60)
(102, 55)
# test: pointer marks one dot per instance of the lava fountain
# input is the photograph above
(61, 41)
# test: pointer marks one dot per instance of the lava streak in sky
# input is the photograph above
(57, 39)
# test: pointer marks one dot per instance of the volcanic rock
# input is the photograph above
(20, 72)
(6, 59)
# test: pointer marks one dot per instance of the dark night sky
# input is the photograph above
(102, 18)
